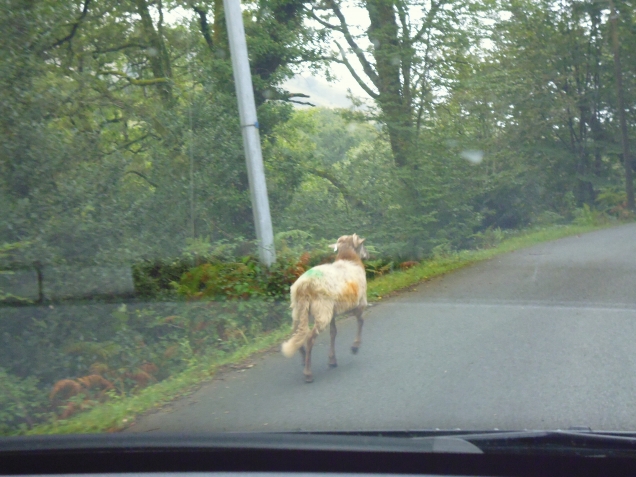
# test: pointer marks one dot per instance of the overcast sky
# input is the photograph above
(324, 93)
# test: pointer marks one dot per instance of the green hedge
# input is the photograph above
(60, 357)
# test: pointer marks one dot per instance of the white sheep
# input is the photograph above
(324, 292)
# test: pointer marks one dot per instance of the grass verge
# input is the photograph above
(394, 282)
(118, 413)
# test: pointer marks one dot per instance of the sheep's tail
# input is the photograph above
(300, 327)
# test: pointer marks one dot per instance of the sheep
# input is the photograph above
(324, 292)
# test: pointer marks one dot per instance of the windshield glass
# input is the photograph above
(422, 208)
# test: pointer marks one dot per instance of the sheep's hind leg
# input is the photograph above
(303, 354)
(356, 342)
(332, 350)
(309, 345)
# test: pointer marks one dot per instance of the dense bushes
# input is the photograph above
(21, 403)
(62, 357)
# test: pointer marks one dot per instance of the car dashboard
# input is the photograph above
(290, 455)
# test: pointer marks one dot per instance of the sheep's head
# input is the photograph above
(352, 241)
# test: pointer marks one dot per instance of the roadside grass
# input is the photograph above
(394, 282)
(118, 413)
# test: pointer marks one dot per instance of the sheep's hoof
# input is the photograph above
(309, 379)
(333, 365)
(354, 349)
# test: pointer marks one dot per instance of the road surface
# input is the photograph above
(542, 338)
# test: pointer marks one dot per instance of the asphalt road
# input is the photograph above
(542, 338)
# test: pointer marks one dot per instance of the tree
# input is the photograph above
(414, 49)
(629, 182)
(546, 96)
(121, 143)
(277, 40)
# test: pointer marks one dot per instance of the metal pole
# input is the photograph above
(249, 127)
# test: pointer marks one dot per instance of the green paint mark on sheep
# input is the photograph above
(313, 273)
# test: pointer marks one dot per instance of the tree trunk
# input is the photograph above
(157, 53)
(629, 184)
(396, 109)
(220, 30)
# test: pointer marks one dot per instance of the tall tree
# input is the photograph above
(117, 140)
(548, 91)
(414, 47)
(620, 105)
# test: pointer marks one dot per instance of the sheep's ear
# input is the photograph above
(357, 241)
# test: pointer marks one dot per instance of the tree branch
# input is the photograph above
(76, 25)
(160, 62)
(366, 66)
(403, 14)
(205, 27)
(143, 177)
(297, 95)
(407, 57)
(324, 23)
(316, 58)
(118, 48)
(359, 80)
(135, 81)
(427, 22)
(126, 145)
(354, 201)
(286, 96)
(304, 103)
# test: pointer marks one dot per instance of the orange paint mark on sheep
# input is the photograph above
(350, 292)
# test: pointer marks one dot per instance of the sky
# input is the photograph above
(334, 94)
(323, 93)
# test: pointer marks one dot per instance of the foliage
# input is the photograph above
(489, 238)
(83, 353)
(121, 148)
(22, 403)
(6, 251)
(416, 52)
(377, 268)
(154, 279)
(588, 216)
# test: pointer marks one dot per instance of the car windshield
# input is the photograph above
(333, 215)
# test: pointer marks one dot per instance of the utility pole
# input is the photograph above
(627, 160)
(249, 127)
